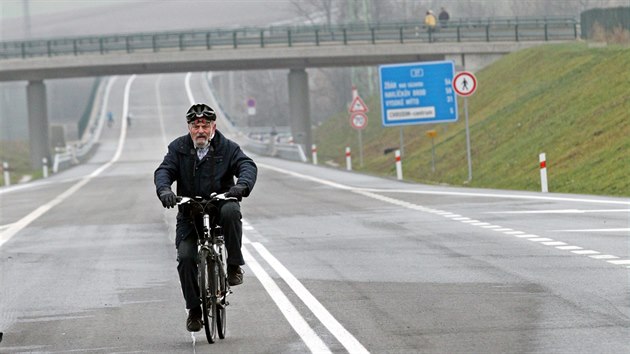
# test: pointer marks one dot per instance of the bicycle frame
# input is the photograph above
(214, 242)
(212, 265)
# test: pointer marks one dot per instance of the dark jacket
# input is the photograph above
(214, 173)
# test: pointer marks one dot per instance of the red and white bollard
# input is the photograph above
(398, 165)
(348, 159)
(543, 172)
(314, 154)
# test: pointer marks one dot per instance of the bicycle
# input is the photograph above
(212, 265)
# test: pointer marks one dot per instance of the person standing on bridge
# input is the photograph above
(203, 162)
(430, 22)
(444, 17)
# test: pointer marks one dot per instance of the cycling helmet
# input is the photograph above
(200, 111)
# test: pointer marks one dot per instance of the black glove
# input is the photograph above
(238, 191)
(168, 198)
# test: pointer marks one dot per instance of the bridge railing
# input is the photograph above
(457, 30)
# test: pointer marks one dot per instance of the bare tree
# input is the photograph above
(310, 9)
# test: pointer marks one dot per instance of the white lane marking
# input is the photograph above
(554, 243)
(621, 262)
(158, 100)
(189, 93)
(604, 256)
(514, 233)
(569, 248)
(299, 324)
(595, 230)
(560, 211)
(503, 229)
(493, 195)
(585, 252)
(539, 239)
(35, 214)
(526, 236)
(351, 344)
(6, 226)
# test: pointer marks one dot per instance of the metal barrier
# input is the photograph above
(457, 30)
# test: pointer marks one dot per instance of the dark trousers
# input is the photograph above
(187, 252)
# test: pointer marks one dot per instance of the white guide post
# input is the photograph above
(543, 172)
(7, 176)
(398, 165)
(348, 159)
(314, 154)
(45, 167)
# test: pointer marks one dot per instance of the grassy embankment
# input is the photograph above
(569, 101)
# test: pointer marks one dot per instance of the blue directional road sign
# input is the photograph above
(418, 93)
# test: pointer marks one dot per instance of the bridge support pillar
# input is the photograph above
(37, 122)
(299, 108)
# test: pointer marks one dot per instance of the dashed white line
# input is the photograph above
(596, 230)
(526, 236)
(586, 252)
(604, 256)
(620, 262)
(371, 192)
(554, 243)
(569, 248)
(560, 211)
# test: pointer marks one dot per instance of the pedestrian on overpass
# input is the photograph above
(430, 22)
(203, 162)
(443, 17)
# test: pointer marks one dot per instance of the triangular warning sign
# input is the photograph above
(358, 106)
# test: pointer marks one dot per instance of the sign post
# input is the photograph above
(432, 134)
(251, 106)
(358, 119)
(465, 85)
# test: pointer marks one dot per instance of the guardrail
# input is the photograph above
(457, 30)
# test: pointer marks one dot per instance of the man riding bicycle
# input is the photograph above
(204, 162)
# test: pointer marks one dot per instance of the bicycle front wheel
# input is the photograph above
(221, 303)
(218, 287)
(208, 301)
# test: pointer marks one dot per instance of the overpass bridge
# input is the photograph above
(470, 43)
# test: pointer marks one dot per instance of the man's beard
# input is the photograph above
(205, 144)
(199, 145)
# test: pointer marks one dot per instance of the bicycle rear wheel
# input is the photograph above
(208, 305)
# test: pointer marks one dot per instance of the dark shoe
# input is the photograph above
(193, 322)
(235, 275)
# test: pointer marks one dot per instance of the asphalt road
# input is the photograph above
(336, 261)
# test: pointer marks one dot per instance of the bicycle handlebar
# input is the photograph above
(199, 200)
